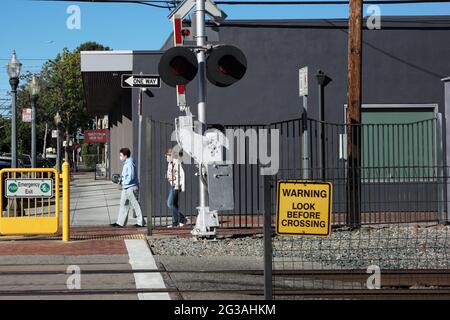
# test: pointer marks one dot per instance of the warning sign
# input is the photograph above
(303, 208)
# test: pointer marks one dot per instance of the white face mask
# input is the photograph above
(121, 158)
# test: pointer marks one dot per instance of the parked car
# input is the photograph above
(51, 158)
(23, 161)
(4, 164)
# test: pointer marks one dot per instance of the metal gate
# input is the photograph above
(30, 201)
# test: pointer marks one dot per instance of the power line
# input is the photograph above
(151, 3)
(331, 2)
(22, 59)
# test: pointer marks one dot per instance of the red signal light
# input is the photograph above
(186, 32)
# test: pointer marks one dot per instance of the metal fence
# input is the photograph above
(401, 239)
(390, 206)
(399, 176)
(247, 182)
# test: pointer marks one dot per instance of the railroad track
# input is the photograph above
(288, 284)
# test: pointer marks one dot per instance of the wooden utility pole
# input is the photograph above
(354, 113)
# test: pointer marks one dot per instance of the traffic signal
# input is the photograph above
(225, 66)
(178, 66)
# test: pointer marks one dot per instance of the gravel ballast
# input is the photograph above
(393, 247)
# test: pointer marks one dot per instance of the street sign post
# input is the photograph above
(303, 208)
(29, 188)
(303, 92)
(303, 81)
(141, 81)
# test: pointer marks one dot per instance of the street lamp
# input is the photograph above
(13, 67)
(57, 119)
(34, 89)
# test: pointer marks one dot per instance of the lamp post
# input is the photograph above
(323, 80)
(34, 89)
(13, 67)
(58, 142)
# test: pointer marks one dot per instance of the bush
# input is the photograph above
(88, 148)
(90, 160)
(89, 155)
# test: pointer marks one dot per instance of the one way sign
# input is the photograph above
(141, 81)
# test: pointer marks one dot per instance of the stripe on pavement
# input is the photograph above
(141, 258)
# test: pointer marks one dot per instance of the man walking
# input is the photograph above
(130, 191)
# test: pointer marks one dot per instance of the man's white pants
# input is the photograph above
(129, 196)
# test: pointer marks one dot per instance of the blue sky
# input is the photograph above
(37, 30)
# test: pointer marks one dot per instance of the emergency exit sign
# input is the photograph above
(303, 208)
(29, 188)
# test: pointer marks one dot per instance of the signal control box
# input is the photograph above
(220, 186)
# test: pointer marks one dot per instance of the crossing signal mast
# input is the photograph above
(222, 65)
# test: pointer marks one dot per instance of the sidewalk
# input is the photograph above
(93, 202)
(44, 269)
(36, 267)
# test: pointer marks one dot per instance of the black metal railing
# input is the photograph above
(399, 175)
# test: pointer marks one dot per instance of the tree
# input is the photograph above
(63, 91)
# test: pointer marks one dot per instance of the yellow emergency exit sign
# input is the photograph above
(303, 208)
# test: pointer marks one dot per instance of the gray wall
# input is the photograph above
(400, 65)
(121, 129)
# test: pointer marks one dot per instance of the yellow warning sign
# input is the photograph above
(303, 208)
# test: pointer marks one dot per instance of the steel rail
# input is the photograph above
(365, 293)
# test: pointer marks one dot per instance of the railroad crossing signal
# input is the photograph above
(225, 65)
(178, 66)
(141, 81)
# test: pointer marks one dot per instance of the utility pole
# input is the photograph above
(354, 113)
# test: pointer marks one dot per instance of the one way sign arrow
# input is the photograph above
(141, 81)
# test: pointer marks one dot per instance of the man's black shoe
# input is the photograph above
(115, 225)
(138, 226)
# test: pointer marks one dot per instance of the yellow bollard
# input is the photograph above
(66, 202)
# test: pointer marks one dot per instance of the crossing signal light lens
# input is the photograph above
(178, 66)
(225, 66)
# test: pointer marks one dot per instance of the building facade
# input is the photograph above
(403, 66)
